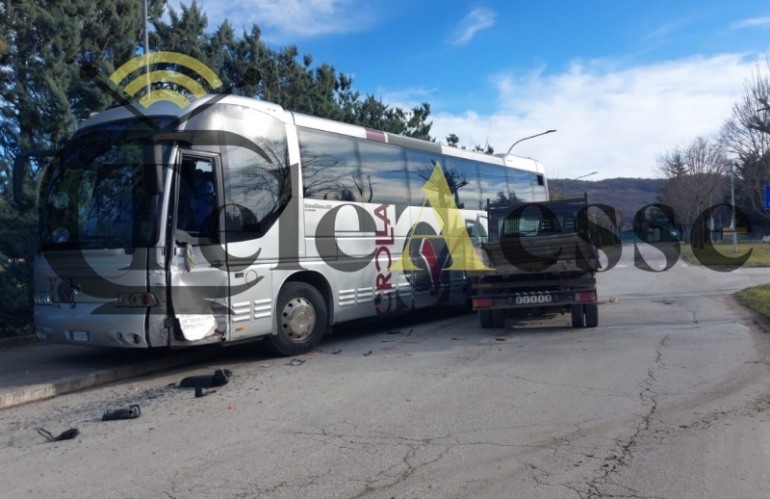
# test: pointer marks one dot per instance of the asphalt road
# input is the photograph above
(667, 398)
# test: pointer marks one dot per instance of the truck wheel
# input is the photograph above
(498, 318)
(485, 319)
(577, 316)
(301, 318)
(592, 315)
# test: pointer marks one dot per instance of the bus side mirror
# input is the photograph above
(20, 171)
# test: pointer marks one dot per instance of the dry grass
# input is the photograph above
(760, 254)
(757, 299)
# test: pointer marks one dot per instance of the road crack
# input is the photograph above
(625, 448)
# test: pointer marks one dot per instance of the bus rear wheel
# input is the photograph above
(301, 318)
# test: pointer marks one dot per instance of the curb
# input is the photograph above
(15, 341)
(42, 391)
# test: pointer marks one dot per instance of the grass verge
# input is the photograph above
(760, 254)
(757, 299)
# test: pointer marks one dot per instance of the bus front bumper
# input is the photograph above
(88, 324)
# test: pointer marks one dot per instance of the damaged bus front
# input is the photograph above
(133, 245)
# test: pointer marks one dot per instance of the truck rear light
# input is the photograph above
(585, 297)
(482, 303)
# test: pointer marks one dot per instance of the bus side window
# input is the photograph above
(330, 168)
(383, 173)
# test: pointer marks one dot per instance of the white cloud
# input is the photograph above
(613, 121)
(476, 20)
(286, 21)
(751, 23)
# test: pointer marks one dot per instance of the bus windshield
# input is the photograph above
(100, 193)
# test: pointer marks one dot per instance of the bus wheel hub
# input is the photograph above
(298, 319)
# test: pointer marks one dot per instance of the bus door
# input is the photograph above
(198, 280)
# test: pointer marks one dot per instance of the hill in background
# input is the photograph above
(627, 195)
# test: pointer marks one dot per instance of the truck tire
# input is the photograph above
(485, 319)
(592, 315)
(577, 316)
(301, 318)
(498, 318)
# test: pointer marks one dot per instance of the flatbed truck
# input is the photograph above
(542, 259)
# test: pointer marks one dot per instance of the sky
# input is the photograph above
(621, 81)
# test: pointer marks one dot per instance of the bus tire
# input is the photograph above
(485, 319)
(592, 315)
(577, 316)
(301, 318)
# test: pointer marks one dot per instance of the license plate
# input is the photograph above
(80, 336)
(536, 299)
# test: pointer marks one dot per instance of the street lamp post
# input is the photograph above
(586, 175)
(530, 137)
(732, 201)
(145, 44)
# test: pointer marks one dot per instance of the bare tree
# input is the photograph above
(746, 138)
(696, 181)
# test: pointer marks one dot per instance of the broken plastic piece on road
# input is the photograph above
(133, 411)
(220, 378)
(65, 435)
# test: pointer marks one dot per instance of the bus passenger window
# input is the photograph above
(330, 169)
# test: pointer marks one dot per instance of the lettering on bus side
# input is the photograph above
(383, 260)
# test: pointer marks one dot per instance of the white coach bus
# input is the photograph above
(233, 219)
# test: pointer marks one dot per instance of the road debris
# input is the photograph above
(133, 411)
(200, 393)
(295, 362)
(65, 435)
(220, 378)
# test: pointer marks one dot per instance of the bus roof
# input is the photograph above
(170, 109)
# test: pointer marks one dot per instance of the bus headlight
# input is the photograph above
(136, 300)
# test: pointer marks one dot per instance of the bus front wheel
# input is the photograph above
(301, 317)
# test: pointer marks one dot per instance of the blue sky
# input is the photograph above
(622, 81)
